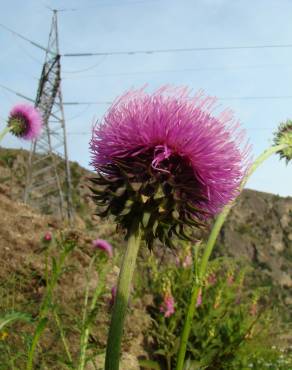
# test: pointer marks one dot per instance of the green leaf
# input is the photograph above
(149, 364)
(14, 316)
(40, 328)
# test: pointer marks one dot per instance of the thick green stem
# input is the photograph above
(121, 302)
(207, 252)
(4, 132)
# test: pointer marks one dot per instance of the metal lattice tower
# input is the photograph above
(48, 184)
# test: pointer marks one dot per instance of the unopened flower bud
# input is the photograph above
(48, 236)
(284, 136)
(104, 246)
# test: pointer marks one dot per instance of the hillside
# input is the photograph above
(259, 227)
(258, 230)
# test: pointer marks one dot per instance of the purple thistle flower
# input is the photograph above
(167, 305)
(168, 156)
(25, 121)
(103, 245)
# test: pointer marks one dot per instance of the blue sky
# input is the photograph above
(129, 25)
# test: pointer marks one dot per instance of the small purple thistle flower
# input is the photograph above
(25, 122)
(167, 305)
(168, 155)
(104, 246)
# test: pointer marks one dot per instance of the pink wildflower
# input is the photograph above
(103, 245)
(168, 305)
(25, 122)
(48, 236)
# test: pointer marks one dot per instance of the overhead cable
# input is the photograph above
(26, 39)
(178, 50)
(17, 93)
(196, 69)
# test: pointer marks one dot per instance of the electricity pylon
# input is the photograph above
(48, 184)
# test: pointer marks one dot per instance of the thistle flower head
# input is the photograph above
(25, 121)
(165, 161)
(284, 136)
(104, 246)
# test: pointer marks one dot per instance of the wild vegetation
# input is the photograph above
(51, 272)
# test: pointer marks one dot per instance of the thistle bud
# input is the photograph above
(284, 136)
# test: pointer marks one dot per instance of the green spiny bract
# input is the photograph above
(136, 193)
(284, 136)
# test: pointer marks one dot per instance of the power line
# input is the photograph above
(150, 51)
(17, 93)
(75, 103)
(26, 52)
(198, 69)
(65, 103)
(25, 38)
(87, 68)
(178, 50)
(88, 103)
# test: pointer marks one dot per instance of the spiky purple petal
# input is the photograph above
(167, 125)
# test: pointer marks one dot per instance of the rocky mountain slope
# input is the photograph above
(259, 228)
